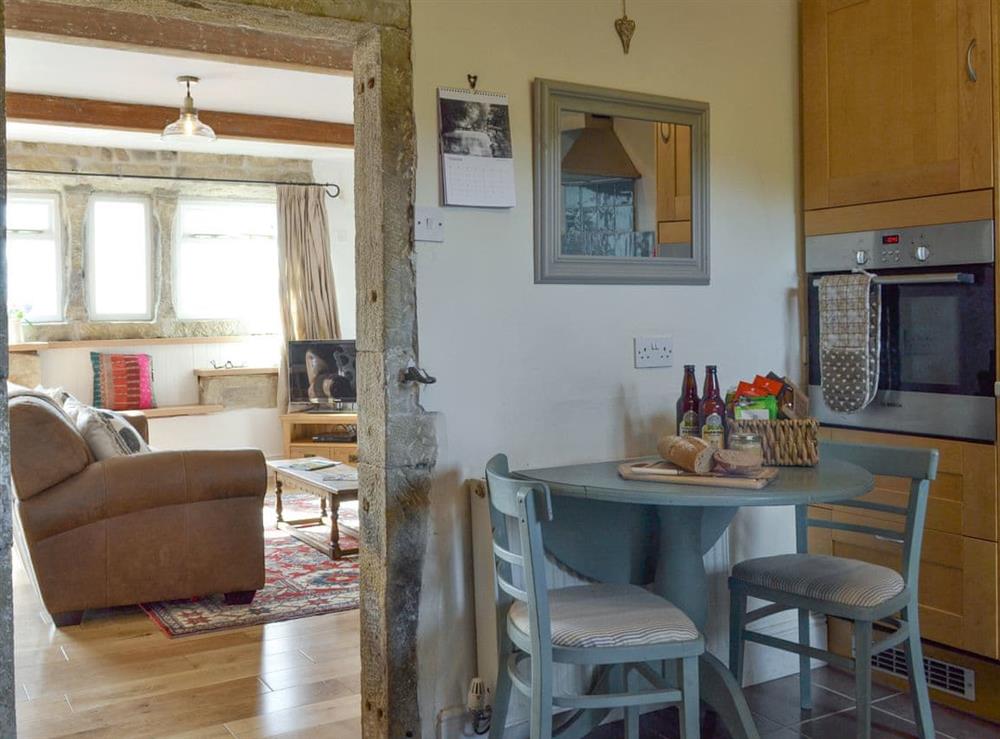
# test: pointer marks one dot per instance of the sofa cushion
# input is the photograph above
(109, 434)
(46, 448)
(123, 382)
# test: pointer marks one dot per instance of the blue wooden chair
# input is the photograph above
(850, 589)
(617, 627)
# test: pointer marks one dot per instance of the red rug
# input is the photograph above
(300, 581)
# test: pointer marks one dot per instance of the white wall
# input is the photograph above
(544, 372)
(174, 383)
(340, 219)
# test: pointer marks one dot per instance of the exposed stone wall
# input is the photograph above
(8, 693)
(239, 391)
(75, 194)
(25, 368)
(396, 439)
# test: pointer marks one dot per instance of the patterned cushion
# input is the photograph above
(108, 434)
(834, 579)
(609, 615)
(123, 382)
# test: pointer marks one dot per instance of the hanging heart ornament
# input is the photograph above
(625, 27)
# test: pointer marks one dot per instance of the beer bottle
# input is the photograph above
(688, 420)
(713, 410)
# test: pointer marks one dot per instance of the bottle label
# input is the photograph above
(714, 432)
(689, 424)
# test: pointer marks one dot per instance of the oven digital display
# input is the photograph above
(890, 239)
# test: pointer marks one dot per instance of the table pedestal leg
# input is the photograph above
(681, 579)
(277, 500)
(334, 506)
(680, 568)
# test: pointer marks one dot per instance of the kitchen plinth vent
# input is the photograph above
(945, 676)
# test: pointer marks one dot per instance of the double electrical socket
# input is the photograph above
(654, 351)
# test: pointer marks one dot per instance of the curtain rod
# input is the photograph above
(325, 185)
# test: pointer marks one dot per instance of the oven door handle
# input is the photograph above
(930, 278)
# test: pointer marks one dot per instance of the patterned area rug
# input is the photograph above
(300, 581)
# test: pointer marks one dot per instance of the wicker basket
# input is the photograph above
(785, 443)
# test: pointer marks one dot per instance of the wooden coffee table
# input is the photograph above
(331, 486)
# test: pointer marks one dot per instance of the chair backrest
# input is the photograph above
(918, 465)
(521, 505)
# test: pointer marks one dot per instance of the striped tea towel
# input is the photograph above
(849, 335)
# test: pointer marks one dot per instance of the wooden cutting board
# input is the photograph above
(666, 472)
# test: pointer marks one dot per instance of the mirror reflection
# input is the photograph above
(625, 187)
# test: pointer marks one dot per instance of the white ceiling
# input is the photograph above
(92, 72)
(137, 77)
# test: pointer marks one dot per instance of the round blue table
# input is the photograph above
(606, 529)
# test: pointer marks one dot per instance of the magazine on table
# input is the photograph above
(312, 464)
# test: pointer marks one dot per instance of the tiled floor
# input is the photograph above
(775, 706)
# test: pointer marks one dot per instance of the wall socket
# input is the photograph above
(654, 351)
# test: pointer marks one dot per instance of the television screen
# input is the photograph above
(322, 372)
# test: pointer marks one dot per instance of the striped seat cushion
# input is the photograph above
(609, 615)
(834, 579)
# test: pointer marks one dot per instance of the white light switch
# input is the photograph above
(654, 351)
(428, 224)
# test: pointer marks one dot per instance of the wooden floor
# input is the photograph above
(117, 675)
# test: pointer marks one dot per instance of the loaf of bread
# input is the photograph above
(732, 462)
(690, 453)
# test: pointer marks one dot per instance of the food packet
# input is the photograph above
(759, 409)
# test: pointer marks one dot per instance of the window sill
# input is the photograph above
(235, 371)
(36, 346)
(176, 411)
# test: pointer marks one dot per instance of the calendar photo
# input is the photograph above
(477, 163)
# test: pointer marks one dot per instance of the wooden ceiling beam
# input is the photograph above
(139, 31)
(152, 118)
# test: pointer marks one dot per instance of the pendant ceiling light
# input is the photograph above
(188, 126)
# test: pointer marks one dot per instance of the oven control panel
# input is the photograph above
(942, 245)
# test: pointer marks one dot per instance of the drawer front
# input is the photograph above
(346, 453)
(297, 451)
(963, 498)
(958, 576)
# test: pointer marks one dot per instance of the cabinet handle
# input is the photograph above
(891, 539)
(968, 62)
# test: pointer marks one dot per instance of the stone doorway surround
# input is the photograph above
(396, 438)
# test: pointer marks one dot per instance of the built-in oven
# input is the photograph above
(937, 354)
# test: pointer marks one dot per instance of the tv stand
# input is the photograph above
(333, 408)
(298, 430)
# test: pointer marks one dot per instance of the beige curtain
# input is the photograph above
(305, 272)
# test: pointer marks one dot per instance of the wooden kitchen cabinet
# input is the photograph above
(673, 183)
(896, 99)
(959, 576)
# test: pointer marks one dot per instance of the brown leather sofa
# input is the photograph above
(131, 529)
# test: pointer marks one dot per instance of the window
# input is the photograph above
(226, 262)
(118, 259)
(34, 256)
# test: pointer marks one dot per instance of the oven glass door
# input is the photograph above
(936, 337)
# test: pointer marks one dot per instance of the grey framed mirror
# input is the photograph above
(621, 187)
